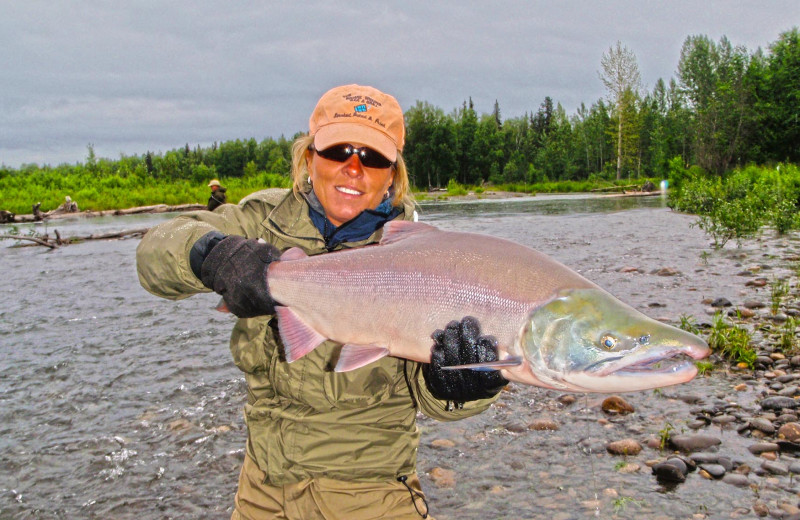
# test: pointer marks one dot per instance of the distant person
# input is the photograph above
(218, 197)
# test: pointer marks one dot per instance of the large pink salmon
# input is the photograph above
(554, 328)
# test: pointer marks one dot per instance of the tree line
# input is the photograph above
(726, 107)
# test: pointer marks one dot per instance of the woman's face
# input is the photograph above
(347, 188)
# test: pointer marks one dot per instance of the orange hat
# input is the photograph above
(360, 115)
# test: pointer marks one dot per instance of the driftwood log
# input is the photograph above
(54, 242)
(38, 215)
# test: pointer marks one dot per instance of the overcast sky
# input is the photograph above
(134, 76)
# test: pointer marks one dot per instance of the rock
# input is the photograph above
(568, 399)
(779, 403)
(543, 425)
(721, 302)
(617, 405)
(630, 467)
(744, 313)
(666, 271)
(666, 472)
(754, 304)
(776, 468)
(757, 282)
(443, 443)
(714, 470)
(762, 425)
(624, 447)
(443, 478)
(760, 508)
(763, 447)
(723, 420)
(678, 463)
(735, 479)
(692, 443)
(790, 432)
(629, 269)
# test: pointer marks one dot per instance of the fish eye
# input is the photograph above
(645, 339)
(608, 342)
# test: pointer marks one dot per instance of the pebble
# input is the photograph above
(666, 472)
(736, 479)
(666, 271)
(691, 443)
(624, 447)
(776, 468)
(762, 425)
(443, 443)
(714, 470)
(544, 425)
(790, 432)
(616, 405)
(763, 447)
(443, 478)
(779, 403)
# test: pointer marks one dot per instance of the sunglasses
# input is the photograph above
(342, 152)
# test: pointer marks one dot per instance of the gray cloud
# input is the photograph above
(150, 75)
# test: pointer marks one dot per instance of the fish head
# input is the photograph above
(585, 340)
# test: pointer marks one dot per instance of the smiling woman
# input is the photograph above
(342, 445)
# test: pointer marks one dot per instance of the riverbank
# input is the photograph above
(113, 396)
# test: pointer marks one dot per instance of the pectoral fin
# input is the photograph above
(298, 338)
(357, 356)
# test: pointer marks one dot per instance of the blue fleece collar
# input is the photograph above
(358, 228)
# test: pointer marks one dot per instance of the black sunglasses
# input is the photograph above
(342, 152)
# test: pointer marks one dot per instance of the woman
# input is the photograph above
(322, 444)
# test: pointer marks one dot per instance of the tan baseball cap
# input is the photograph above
(361, 115)
(215, 182)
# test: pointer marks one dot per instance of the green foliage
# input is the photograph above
(176, 177)
(731, 341)
(738, 205)
(664, 434)
(787, 337)
(778, 291)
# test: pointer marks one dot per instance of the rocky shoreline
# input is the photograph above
(732, 435)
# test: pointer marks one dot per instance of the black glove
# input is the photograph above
(236, 268)
(458, 344)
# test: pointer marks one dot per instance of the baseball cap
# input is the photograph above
(361, 115)
(215, 182)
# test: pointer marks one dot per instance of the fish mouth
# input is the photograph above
(667, 361)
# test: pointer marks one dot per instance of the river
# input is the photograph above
(117, 404)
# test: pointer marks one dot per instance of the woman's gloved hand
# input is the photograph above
(458, 344)
(236, 268)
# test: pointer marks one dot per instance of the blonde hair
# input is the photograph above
(401, 185)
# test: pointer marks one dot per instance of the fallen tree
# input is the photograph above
(57, 241)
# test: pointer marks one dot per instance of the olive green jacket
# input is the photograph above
(304, 420)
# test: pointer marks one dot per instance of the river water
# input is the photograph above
(117, 404)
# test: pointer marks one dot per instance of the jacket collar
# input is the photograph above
(290, 221)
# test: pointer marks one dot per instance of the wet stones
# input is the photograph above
(616, 405)
(790, 432)
(779, 403)
(693, 443)
(624, 447)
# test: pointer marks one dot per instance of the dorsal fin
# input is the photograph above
(400, 229)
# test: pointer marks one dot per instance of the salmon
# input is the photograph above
(554, 328)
